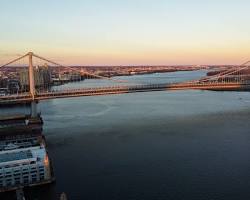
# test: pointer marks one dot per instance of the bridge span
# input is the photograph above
(217, 86)
(234, 79)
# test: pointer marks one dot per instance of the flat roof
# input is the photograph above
(16, 155)
(12, 156)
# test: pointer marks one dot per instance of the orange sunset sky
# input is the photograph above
(130, 32)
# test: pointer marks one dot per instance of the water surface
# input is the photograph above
(173, 145)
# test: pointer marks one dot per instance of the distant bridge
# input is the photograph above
(232, 79)
(25, 98)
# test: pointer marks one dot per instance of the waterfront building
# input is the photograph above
(3, 82)
(24, 160)
(70, 76)
(75, 76)
(3, 91)
(42, 75)
(23, 167)
(13, 86)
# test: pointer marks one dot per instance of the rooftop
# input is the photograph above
(12, 156)
(37, 152)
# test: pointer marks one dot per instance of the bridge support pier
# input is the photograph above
(33, 105)
(33, 109)
(31, 77)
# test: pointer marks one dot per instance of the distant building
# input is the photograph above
(4, 82)
(3, 91)
(13, 86)
(42, 75)
(9, 86)
(70, 76)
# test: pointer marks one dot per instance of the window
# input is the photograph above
(33, 171)
(8, 183)
(41, 170)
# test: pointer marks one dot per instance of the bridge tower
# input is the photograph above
(32, 86)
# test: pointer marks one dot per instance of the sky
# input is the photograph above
(127, 32)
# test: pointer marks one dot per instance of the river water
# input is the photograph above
(167, 145)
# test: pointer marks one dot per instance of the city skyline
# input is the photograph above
(127, 32)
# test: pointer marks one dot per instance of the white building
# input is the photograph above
(24, 167)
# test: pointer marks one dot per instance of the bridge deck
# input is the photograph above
(123, 89)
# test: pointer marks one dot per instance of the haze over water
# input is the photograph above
(173, 145)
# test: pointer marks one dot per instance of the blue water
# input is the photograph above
(173, 145)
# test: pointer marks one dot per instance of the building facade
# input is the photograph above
(23, 167)
(42, 76)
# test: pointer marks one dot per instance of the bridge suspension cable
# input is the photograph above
(224, 74)
(73, 69)
(15, 60)
(59, 65)
(222, 77)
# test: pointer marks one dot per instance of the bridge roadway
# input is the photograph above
(26, 97)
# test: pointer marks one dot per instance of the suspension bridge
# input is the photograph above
(236, 78)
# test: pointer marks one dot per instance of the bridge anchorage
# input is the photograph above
(35, 81)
